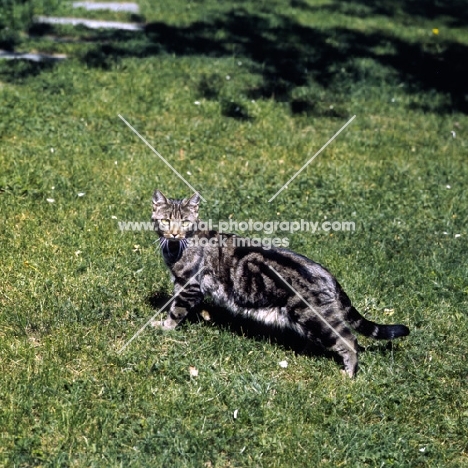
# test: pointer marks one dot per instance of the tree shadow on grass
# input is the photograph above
(290, 56)
(453, 13)
(297, 62)
(18, 70)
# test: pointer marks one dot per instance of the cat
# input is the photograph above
(274, 286)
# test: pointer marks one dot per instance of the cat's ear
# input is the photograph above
(194, 200)
(159, 198)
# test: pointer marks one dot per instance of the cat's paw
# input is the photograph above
(157, 324)
(205, 315)
(165, 325)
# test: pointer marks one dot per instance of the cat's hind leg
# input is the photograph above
(336, 337)
(348, 352)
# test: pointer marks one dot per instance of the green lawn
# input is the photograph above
(236, 96)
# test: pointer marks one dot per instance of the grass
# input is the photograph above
(74, 288)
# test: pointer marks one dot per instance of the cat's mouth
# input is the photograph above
(173, 247)
(173, 237)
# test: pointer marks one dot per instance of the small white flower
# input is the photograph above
(236, 412)
(77, 252)
(283, 364)
(448, 186)
(52, 150)
(114, 217)
(193, 371)
(228, 77)
(197, 103)
(81, 194)
(422, 449)
(445, 233)
(393, 99)
(51, 200)
(453, 134)
(115, 162)
(457, 235)
(189, 173)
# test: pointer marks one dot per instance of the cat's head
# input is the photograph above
(174, 219)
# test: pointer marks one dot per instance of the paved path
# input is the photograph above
(34, 57)
(109, 6)
(91, 24)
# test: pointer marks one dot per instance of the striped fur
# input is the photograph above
(250, 281)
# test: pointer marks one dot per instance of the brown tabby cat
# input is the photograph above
(274, 286)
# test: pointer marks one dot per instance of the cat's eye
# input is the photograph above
(164, 222)
(185, 223)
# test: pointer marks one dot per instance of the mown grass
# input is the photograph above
(273, 81)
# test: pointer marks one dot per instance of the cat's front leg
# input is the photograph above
(183, 303)
(175, 316)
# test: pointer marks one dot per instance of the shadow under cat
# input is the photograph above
(213, 315)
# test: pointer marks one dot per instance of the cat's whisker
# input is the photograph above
(162, 243)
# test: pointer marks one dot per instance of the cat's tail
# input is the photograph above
(372, 329)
